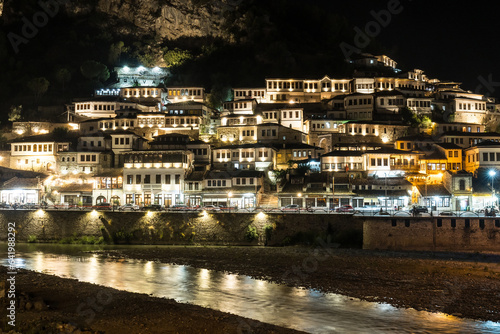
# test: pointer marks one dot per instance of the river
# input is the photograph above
(301, 309)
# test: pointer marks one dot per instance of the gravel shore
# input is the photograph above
(461, 284)
(50, 304)
(465, 285)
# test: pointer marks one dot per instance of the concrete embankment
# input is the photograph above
(184, 228)
(477, 234)
(481, 234)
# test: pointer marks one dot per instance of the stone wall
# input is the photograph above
(273, 229)
(182, 228)
(432, 233)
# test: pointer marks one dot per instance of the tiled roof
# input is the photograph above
(111, 173)
(49, 137)
(75, 187)
(344, 153)
(435, 155)
(381, 193)
(8, 173)
(21, 183)
(449, 146)
(232, 147)
(195, 176)
(432, 190)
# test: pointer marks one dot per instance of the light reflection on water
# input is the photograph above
(301, 309)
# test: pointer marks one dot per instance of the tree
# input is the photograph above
(60, 133)
(413, 119)
(278, 175)
(38, 86)
(93, 70)
(176, 57)
(15, 113)
(217, 96)
(147, 59)
(63, 76)
(115, 52)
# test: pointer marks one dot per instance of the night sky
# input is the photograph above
(449, 40)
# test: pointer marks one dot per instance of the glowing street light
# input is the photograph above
(492, 173)
(299, 195)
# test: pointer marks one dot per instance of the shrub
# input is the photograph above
(251, 233)
(268, 230)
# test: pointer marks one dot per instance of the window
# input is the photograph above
(177, 179)
(138, 179)
(461, 185)
(158, 178)
(147, 179)
(485, 156)
(167, 179)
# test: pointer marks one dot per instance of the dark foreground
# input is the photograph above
(49, 304)
(464, 285)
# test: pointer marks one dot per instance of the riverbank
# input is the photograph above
(50, 304)
(461, 284)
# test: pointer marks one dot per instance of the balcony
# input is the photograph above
(406, 167)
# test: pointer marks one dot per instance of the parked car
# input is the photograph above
(5, 206)
(345, 208)
(367, 210)
(417, 209)
(447, 213)
(402, 213)
(211, 208)
(291, 207)
(382, 213)
(29, 206)
(489, 211)
(103, 206)
(129, 207)
(152, 207)
(179, 207)
(467, 214)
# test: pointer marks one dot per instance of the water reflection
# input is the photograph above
(307, 310)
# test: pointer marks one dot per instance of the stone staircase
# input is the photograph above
(268, 200)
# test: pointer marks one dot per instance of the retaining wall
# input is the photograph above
(432, 233)
(179, 228)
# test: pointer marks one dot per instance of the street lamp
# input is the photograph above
(385, 187)
(492, 173)
(299, 195)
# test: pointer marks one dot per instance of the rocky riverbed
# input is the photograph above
(49, 304)
(461, 284)
(465, 285)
